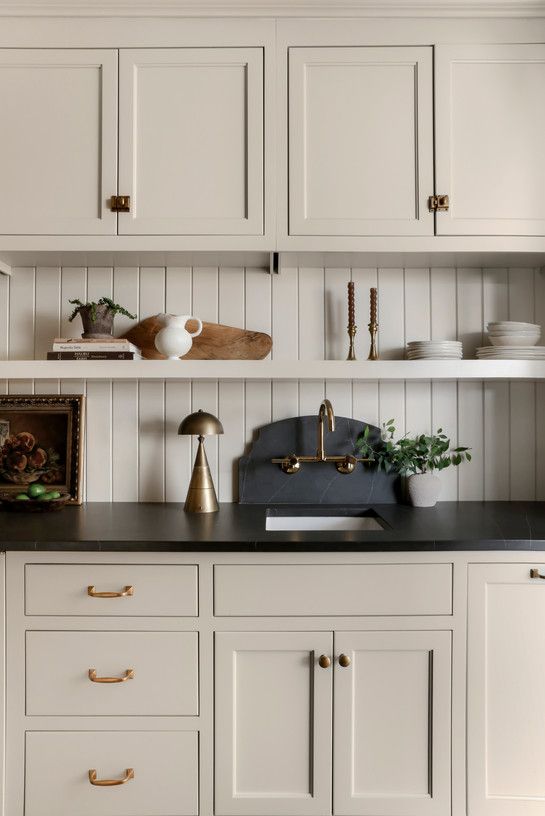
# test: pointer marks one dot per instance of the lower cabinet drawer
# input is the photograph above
(332, 589)
(75, 673)
(164, 779)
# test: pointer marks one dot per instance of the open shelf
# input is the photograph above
(272, 370)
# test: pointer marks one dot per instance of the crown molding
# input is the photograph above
(272, 8)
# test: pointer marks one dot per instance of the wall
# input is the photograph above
(132, 450)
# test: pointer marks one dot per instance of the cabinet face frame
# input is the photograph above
(416, 60)
(447, 57)
(104, 61)
(250, 61)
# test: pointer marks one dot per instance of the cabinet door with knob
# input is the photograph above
(392, 724)
(506, 671)
(273, 723)
(360, 141)
(58, 144)
(191, 141)
(490, 119)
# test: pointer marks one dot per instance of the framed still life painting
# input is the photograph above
(41, 440)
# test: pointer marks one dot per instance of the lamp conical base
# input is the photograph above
(201, 494)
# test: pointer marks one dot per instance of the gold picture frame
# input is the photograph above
(42, 440)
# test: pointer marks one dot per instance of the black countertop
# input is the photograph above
(121, 527)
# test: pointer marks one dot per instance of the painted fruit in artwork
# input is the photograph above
(23, 461)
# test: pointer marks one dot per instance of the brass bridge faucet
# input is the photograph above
(345, 463)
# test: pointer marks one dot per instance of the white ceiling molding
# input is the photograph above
(278, 8)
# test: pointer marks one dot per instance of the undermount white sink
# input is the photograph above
(308, 521)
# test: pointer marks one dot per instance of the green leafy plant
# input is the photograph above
(92, 307)
(410, 455)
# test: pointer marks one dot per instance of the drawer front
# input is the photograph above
(161, 671)
(333, 589)
(165, 767)
(137, 589)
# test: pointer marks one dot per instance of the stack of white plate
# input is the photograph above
(509, 333)
(434, 350)
(511, 353)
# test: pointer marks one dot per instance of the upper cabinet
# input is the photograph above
(360, 141)
(58, 141)
(191, 141)
(490, 121)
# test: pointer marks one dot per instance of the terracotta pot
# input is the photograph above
(103, 324)
(424, 489)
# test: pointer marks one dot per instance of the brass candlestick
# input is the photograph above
(352, 328)
(373, 325)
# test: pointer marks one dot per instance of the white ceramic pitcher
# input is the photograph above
(173, 341)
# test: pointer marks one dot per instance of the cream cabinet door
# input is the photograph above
(191, 141)
(490, 120)
(506, 675)
(392, 724)
(58, 141)
(273, 724)
(360, 141)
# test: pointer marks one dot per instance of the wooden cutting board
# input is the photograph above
(216, 342)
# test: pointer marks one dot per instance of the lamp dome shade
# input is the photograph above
(200, 423)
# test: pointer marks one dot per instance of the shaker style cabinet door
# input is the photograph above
(392, 724)
(58, 141)
(273, 724)
(191, 141)
(506, 671)
(490, 121)
(360, 141)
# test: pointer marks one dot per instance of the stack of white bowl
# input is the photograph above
(512, 341)
(434, 350)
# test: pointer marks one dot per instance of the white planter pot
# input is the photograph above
(424, 489)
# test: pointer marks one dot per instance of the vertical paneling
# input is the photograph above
(151, 401)
(133, 450)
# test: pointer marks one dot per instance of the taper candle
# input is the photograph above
(373, 324)
(351, 320)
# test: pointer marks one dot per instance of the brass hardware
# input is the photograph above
(345, 463)
(344, 661)
(120, 203)
(534, 573)
(106, 783)
(373, 323)
(129, 675)
(324, 662)
(438, 203)
(126, 592)
(201, 494)
(351, 328)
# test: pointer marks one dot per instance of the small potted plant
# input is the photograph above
(417, 457)
(98, 317)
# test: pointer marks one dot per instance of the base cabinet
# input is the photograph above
(389, 696)
(506, 670)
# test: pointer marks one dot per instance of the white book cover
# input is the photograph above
(60, 344)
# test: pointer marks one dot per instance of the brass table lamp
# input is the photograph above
(201, 495)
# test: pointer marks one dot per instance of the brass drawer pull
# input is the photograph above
(324, 661)
(125, 593)
(534, 573)
(344, 661)
(129, 675)
(105, 783)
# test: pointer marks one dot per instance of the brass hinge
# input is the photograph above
(438, 203)
(120, 203)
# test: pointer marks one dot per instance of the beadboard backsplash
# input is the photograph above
(132, 448)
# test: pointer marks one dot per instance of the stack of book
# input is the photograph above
(81, 349)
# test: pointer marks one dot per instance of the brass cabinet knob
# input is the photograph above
(106, 783)
(344, 661)
(126, 592)
(324, 661)
(129, 675)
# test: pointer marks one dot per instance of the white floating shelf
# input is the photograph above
(273, 370)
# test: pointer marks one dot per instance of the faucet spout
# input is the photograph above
(325, 409)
